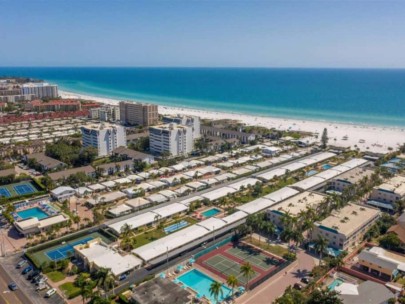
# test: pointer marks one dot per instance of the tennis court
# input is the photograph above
(66, 250)
(17, 189)
(228, 267)
(253, 256)
(23, 189)
(4, 192)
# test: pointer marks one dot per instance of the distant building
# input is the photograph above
(62, 175)
(135, 137)
(40, 90)
(141, 114)
(388, 193)
(45, 162)
(226, 134)
(104, 137)
(63, 105)
(63, 193)
(189, 121)
(399, 229)
(350, 178)
(365, 292)
(105, 113)
(345, 228)
(126, 153)
(173, 139)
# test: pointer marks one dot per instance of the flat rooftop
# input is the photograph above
(395, 185)
(355, 175)
(300, 202)
(349, 218)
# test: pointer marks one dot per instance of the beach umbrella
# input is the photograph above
(191, 261)
(179, 268)
(176, 281)
(163, 275)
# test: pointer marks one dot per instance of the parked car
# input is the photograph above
(50, 293)
(37, 278)
(42, 281)
(13, 286)
(41, 287)
(21, 263)
(298, 286)
(26, 270)
(122, 277)
(305, 280)
(33, 274)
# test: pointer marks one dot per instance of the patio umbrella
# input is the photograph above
(163, 275)
(191, 261)
(179, 268)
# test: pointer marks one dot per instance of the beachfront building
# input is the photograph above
(105, 137)
(95, 255)
(227, 134)
(293, 207)
(381, 262)
(171, 139)
(40, 90)
(388, 193)
(105, 113)
(349, 178)
(346, 227)
(62, 105)
(136, 113)
(190, 121)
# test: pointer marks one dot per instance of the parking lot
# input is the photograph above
(26, 292)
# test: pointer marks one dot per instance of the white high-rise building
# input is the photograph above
(171, 138)
(190, 121)
(105, 113)
(104, 137)
(40, 89)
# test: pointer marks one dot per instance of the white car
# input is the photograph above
(50, 292)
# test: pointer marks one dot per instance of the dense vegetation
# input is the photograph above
(71, 152)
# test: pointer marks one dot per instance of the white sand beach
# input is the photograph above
(365, 137)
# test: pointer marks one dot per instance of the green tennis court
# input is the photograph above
(253, 256)
(227, 267)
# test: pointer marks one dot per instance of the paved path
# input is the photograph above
(7, 296)
(275, 286)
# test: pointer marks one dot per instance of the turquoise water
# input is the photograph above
(211, 212)
(335, 283)
(326, 166)
(370, 96)
(33, 212)
(200, 283)
(311, 172)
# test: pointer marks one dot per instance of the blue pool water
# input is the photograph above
(326, 166)
(311, 172)
(335, 283)
(33, 212)
(200, 283)
(211, 212)
(176, 227)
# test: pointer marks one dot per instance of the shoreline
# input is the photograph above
(377, 138)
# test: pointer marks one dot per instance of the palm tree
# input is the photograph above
(101, 275)
(247, 271)
(216, 290)
(269, 229)
(232, 282)
(126, 230)
(83, 282)
(320, 246)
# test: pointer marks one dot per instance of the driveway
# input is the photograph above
(275, 286)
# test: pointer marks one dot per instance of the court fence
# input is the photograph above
(268, 275)
(213, 247)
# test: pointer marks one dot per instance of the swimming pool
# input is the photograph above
(33, 212)
(326, 166)
(335, 283)
(200, 283)
(311, 172)
(211, 212)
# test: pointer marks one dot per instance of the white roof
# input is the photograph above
(294, 166)
(168, 193)
(212, 223)
(234, 217)
(256, 205)
(218, 193)
(109, 184)
(120, 209)
(134, 177)
(157, 198)
(135, 203)
(182, 190)
(145, 186)
(171, 209)
(271, 174)
(107, 198)
(96, 187)
(190, 200)
(196, 185)
(28, 223)
(241, 171)
(322, 156)
(103, 256)
(328, 174)
(157, 184)
(309, 182)
(83, 190)
(209, 181)
(245, 182)
(226, 164)
(52, 221)
(347, 289)
(170, 242)
(193, 173)
(281, 194)
(353, 163)
(163, 170)
(123, 180)
(170, 180)
(178, 167)
(224, 176)
(264, 164)
(61, 190)
(134, 222)
(144, 175)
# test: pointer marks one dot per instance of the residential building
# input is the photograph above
(95, 255)
(111, 168)
(350, 178)
(389, 192)
(365, 292)
(40, 90)
(135, 137)
(34, 225)
(63, 193)
(173, 139)
(346, 227)
(381, 262)
(126, 153)
(136, 113)
(294, 206)
(45, 163)
(104, 137)
(189, 121)
(225, 133)
(399, 229)
(105, 113)
(62, 105)
(62, 175)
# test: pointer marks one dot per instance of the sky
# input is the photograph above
(300, 33)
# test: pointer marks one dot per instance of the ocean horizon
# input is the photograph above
(357, 96)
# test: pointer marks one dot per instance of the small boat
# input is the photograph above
(345, 137)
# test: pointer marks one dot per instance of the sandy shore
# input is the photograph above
(376, 138)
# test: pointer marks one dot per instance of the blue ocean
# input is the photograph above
(365, 96)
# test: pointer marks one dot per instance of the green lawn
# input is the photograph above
(70, 290)
(274, 249)
(56, 276)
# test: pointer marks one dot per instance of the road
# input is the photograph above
(7, 296)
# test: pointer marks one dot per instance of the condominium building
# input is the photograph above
(172, 139)
(40, 90)
(294, 206)
(349, 178)
(105, 113)
(135, 113)
(227, 134)
(63, 105)
(389, 192)
(346, 227)
(104, 136)
(190, 121)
